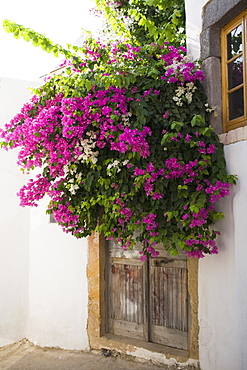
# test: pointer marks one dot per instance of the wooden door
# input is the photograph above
(127, 291)
(168, 306)
(148, 301)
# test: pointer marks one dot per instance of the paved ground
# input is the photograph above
(26, 356)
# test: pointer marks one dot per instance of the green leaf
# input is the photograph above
(173, 251)
(55, 51)
(197, 120)
(88, 84)
(25, 36)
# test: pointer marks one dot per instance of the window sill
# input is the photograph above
(234, 136)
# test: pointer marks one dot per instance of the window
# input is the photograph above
(234, 73)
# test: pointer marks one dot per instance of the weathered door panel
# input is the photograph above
(126, 298)
(169, 302)
(149, 300)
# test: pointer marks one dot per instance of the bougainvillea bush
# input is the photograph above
(122, 139)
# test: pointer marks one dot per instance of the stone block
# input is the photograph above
(239, 134)
(231, 137)
(210, 43)
(244, 133)
(223, 139)
(212, 86)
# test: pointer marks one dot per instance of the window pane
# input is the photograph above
(234, 42)
(235, 73)
(236, 104)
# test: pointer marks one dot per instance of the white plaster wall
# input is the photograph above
(43, 284)
(223, 278)
(58, 285)
(217, 300)
(236, 156)
(193, 9)
(13, 256)
(13, 226)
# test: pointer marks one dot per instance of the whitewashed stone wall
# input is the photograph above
(14, 227)
(43, 284)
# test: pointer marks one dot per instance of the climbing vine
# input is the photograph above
(145, 21)
(122, 140)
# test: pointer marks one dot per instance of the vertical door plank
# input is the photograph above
(126, 303)
(184, 301)
(169, 302)
(174, 298)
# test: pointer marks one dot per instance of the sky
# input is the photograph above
(60, 21)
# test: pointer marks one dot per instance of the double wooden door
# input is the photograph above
(148, 301)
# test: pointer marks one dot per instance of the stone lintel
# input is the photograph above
(221, 12)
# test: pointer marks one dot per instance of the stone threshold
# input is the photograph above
(140, 350)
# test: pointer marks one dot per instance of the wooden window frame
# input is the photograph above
(240, 121)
